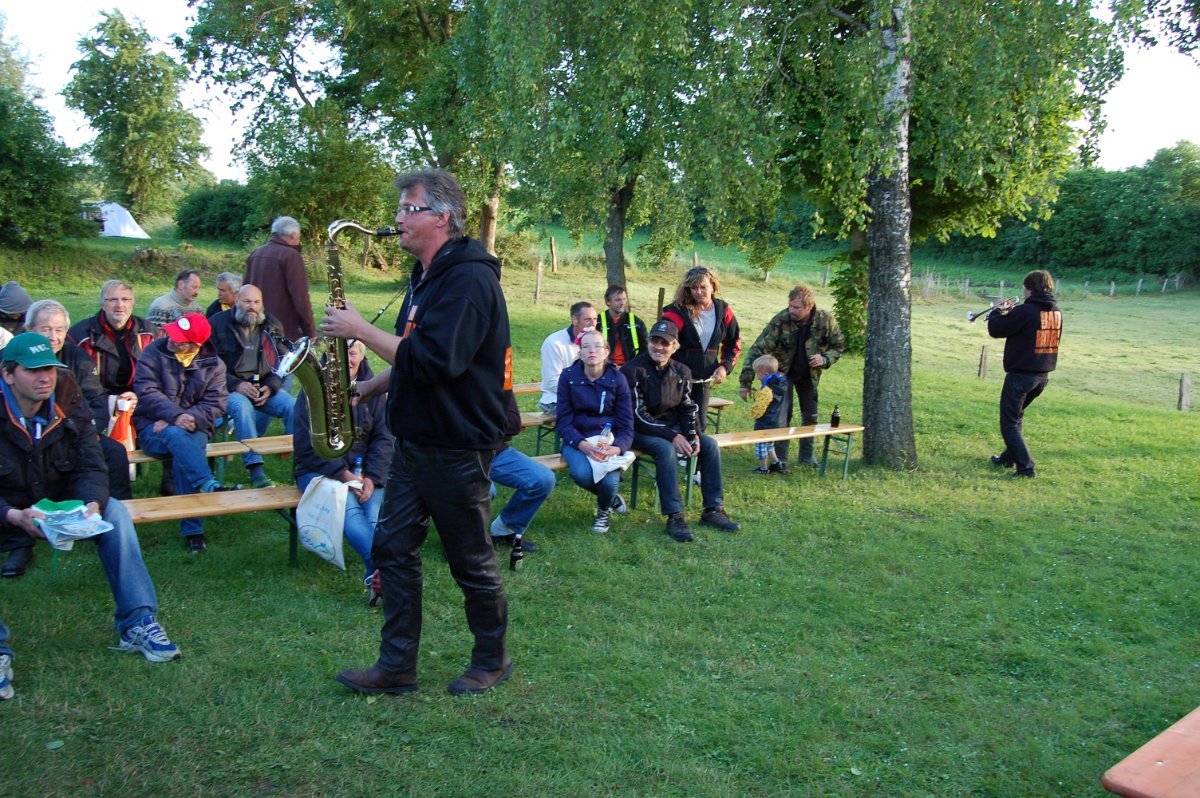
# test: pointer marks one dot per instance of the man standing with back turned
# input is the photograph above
(1032, 330)
(450, 370)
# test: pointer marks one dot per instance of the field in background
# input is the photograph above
(936, 632)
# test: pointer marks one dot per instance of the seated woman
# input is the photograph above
(591, 394)
(373, 443)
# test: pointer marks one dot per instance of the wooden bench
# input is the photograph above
(275, 444)
(1166, 767)
(715, 405)
(526, 388)
(283, 498)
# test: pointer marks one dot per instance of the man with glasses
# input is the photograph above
(561, 349)
(277, 268)
(448, 382)
(114, 338)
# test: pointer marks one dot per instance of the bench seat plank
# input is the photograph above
(1166, 767)
(174, 508)
(724, 439)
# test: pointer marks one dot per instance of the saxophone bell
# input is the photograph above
(297, 351)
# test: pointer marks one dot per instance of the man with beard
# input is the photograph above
(246, 338)
(172, 305)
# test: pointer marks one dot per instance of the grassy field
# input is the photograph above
(939, 632)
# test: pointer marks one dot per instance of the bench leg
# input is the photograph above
(824, 456)
(844, 445)
(293, 537)
(689, 476)
(637, 477)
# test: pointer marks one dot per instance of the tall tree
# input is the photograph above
(995, 91)
(146, 141)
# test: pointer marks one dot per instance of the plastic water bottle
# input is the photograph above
(836, 418)
(358, 468)
(606, 434)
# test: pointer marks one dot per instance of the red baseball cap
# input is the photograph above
(190, 329)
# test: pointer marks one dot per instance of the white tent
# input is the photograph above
(118, 222)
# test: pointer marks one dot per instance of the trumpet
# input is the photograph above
(999, 304)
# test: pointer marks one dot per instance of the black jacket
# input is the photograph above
(662, 398)
(96, 338)
(722, 350)
(1033, 329)
(629, 331)
(372, 438)
(65, 464)
(455, 360)
(224, 339)
(83, 369)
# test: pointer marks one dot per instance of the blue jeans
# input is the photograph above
(251, 422)
(359, 525)
(189, 464)
(4, 649)
(666, 471)
(580, 466)
(121, 557)
(532, 482)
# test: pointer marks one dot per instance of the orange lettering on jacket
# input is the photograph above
(1046, 342)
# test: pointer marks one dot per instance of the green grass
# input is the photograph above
(937, 632)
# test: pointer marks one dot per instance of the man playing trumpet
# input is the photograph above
(1031, 331)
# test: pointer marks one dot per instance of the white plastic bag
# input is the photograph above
(320, 516)
(599, 468)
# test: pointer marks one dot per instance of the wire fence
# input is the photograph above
(928, 285)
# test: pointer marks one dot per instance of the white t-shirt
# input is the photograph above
(706, 324)
(558, 351)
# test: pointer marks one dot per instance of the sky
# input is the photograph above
(1145, 111)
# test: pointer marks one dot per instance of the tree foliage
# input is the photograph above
(228, 211)
(146, 141)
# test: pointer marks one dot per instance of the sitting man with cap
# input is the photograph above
(14, 301)
(666, 427)
(181, 391)
(48, 439)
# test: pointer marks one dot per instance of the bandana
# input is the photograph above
(186, 358)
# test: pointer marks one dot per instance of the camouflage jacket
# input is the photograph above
(778, 338)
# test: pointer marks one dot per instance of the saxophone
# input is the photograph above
(323, 369)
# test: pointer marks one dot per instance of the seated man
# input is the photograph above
(14, 301)
(625, 332)
(228, 284)
(180, 384)
(561, 349)
(531, 480)
(48, 434)
(245, 339)
(176, 303)
(372, 452)
(666, 427)
(114, 339)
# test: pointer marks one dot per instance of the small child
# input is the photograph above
(767, 411)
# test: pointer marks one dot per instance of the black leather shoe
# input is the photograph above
(16, 562)
(1002, 461)
(195, 544)
(527, 545)
(476, 681)
(1030, 474)
(376, 680)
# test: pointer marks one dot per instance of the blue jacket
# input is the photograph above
(585, 406)
(166, 390)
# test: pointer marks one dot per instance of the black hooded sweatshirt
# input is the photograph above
(1033, 329)
(455, 360)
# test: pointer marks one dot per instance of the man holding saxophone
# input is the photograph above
(450, 361)
(1032, 331)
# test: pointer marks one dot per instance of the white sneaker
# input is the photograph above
(6, 675)
(149, 640)
(619, 505)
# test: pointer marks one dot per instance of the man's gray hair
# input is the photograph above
(285, 226)
(234, 281)
(44, 307)
(111, 284)
(442, 193)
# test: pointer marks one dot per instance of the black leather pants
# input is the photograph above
(451, 487)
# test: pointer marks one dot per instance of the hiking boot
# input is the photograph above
(779, 467)
(195, 544)
(760, 470)
(148, 639)
(475, 681)
(619, 505)
(677, 528)
(600, 525)
(1002, 461)
(6, 675)
(262, 482)
(374, 584)
(17, 561)
(1026, 474)
(715, 516)
(811, 462)
(375, 680)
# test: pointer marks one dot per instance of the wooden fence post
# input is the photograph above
(1165, 281)
(983, 353)
(553, 256)
(1001, 289)
(966, 287)
(1178, 278)
(1185, 391)
(825, 276)
(1138, 292)
(1112, 288)
(695, 259)
(537, 288)
(662, 294)
(1086, 285)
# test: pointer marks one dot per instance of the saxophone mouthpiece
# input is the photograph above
(384, 232)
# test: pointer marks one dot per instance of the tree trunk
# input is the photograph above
(614, 232)
(491, 211)
(887, 367)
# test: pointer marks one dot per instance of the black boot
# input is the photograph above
(16, 562)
